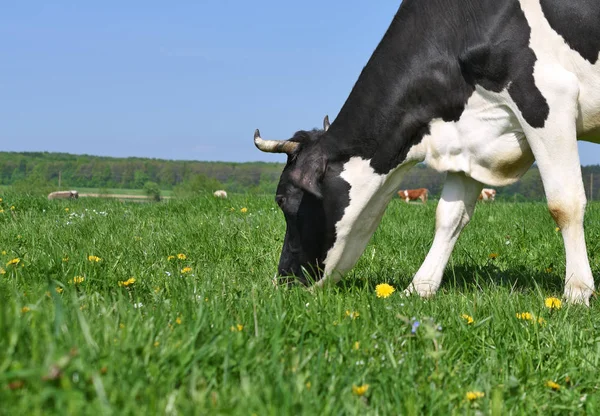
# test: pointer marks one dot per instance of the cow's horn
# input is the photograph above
(326, 123)
(274, 146)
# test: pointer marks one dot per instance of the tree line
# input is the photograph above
(45, 170)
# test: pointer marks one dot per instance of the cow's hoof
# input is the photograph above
(578, 295)
(424, 290)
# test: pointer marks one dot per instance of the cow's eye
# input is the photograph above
(280, 199)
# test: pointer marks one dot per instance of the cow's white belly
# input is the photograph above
(486, 143)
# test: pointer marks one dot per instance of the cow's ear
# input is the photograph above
(308, 173)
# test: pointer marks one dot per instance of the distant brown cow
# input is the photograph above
(487, 195)
(414, 194)
(220, 194)
(64, 195)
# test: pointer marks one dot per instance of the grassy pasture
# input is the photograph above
(209, 334)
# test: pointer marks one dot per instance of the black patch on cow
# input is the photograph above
(426, 67)
(578, 24)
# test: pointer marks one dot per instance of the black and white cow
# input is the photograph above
(477, 88)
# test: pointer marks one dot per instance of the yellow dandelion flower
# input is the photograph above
(493, 256)
(14, 262)
(156, 289)
(127, 282)
(356, 346)
(352, 314)
(548, 269)
(78, 280)
(467, 318)
(178, 320)
(525, 316)
(240, 327)
(360, 390)
(59, 290)
(1, 211)
(25, 309)
(0, 200)
(553, 385)
(65, 259)
(186, 270)
(557, 229)
(2, 271)
(156, 344)
(553, 303)
(244, 210)
(384, 290)
(474, 395)
(4, 252)
(170, 258)
(122, 325)
(93, 259)
(66, 209)
(181, 256)
(12, 207)
(541, 321)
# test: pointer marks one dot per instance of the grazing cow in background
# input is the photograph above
(479, 89)
(414, 194)
(64, 195)
(487, 194)
(220, 194)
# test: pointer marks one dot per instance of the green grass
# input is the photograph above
(169, 343)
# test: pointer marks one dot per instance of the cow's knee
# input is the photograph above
(567, 212)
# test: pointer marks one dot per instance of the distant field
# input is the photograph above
(117, 191)
(135, 331)
(112, 191)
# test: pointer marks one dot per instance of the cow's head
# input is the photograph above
(310, 202)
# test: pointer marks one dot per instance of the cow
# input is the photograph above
(220, 194)
(414, 194)
(479, 89)
(63, 195)
(487, 194)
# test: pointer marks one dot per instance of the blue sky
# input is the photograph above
(180, 80)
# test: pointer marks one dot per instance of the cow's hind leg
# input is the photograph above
(454, 211)
(555, 149)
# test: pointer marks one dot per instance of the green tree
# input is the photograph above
(152, 190)
(196, 185)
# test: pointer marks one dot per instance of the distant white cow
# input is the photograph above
(220, 194)
(64, 195)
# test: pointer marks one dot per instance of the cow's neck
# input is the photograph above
(408, 81)
(369, 195)
(378, 133)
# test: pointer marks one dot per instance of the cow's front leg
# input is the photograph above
(454, 211)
